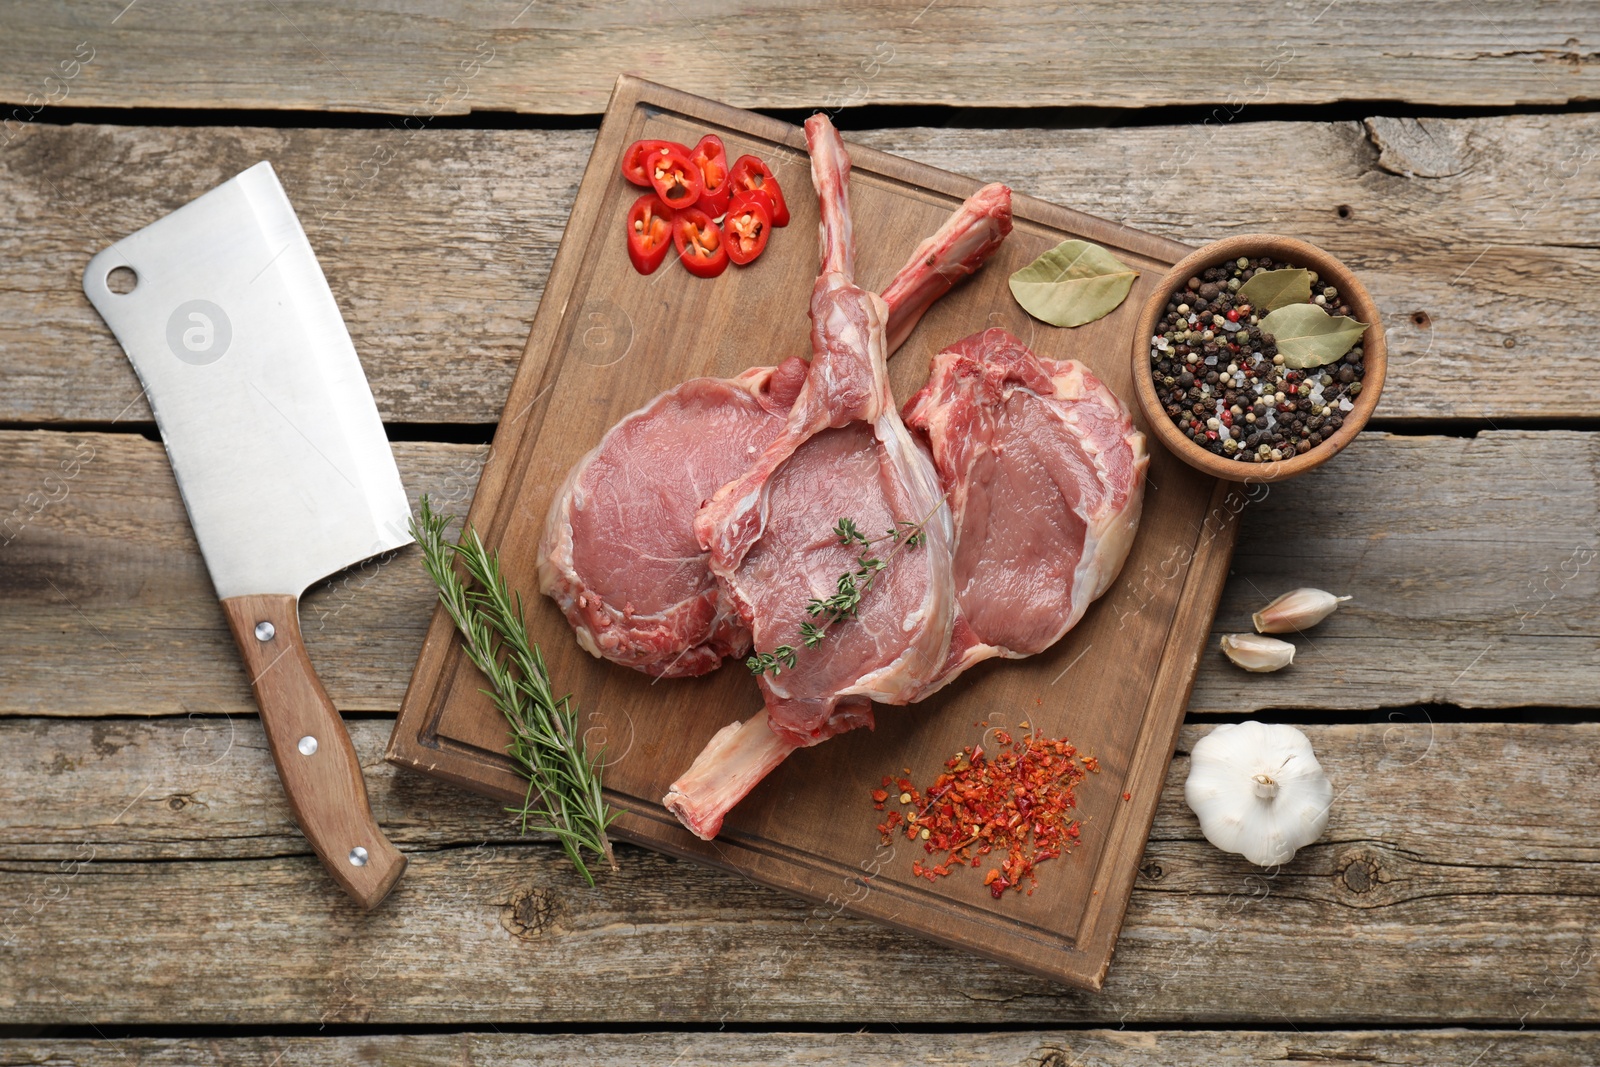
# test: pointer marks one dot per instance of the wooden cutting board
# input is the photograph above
(606, 340)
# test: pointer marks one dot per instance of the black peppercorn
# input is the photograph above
(1197, 392)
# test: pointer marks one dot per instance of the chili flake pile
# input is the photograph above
(1017, 804)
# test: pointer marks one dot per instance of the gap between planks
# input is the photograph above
(513, 1045)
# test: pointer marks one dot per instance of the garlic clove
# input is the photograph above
(1257, 654)
(1298, 609)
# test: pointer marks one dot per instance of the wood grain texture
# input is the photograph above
(1471, 560)
(152, 871)
(1066, 1048)
(315, 761)
(392, 57)
(1486, 270)
(95, 528)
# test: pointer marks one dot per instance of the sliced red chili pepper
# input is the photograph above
(699, 242)
(747, 226)
(712, 160)
(633, 159)
(750, 174)
(675, 178)
(649, 233)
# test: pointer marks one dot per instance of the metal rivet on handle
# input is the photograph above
(307, 745)
(358, 857)
(265, 631)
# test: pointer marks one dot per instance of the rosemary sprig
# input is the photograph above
(563, 795)
(849, 589)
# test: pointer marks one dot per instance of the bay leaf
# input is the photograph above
(1073, 283)
(1269, 290)
(1307, 336)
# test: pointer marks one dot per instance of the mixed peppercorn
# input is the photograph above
(709, 212)
(1223, 382)
(1016, 804)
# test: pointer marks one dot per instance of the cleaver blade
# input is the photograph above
(282, 461)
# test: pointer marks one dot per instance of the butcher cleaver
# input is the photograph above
(282, 462)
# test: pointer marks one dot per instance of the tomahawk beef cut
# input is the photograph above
(843, 454)
(1044, 473)
(619, 553)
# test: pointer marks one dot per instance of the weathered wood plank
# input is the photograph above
(152, 873)
(1065, 1048)
(396, 58)
(1473, 563)
(103, 580)
(437, 258)
(437, 242)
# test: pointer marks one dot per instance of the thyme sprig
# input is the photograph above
(774, 661)
(563, 796)
(851, 586)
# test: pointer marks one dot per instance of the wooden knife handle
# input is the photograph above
(316, 761)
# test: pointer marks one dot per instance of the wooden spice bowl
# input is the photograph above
(1283, 250)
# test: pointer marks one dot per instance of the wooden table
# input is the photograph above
(156, 902)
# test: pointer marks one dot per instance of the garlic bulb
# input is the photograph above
(1257, 654)
(1258, 790)
(1298, 609)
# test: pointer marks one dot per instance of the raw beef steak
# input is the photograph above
(845, 453)
(1045, 479)
(619, 553)
(1044, 475)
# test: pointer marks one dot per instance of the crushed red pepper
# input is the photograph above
(1017, 803)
